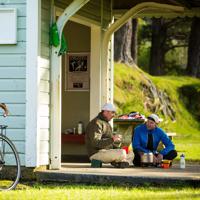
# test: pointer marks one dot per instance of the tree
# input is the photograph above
(167, 35)
(125, 43)
(193, 64)
(158, 38)
(134, 45)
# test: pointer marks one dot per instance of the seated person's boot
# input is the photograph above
(96, 163)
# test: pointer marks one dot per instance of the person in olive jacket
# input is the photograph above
(101, 143)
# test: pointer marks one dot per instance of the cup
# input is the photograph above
(166, 164)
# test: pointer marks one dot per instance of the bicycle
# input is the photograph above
(10, 170)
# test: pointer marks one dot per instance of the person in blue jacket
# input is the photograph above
(147, 138)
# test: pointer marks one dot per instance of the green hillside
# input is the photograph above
(183, 94)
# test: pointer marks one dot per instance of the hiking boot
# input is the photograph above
(121, 165)
(96, 163)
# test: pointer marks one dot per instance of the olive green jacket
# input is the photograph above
(98, 135)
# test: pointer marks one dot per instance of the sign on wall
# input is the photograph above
(77, 72)
(8, 24)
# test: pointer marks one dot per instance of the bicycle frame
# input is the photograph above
(8, 151)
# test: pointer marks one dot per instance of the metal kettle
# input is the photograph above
(147, 158)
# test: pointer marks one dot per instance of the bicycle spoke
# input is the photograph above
(9, 164)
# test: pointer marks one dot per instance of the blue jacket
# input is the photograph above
(140, 140)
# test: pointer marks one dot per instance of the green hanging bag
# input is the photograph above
(54, 35)
(64, 47)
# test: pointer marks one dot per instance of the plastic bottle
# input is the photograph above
(80, 128)
(182, 161)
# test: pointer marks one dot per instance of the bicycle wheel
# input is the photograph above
(9, 164)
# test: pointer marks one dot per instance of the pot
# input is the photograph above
(147, 158)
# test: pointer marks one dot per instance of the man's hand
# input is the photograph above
(159, 158)
(155, 160)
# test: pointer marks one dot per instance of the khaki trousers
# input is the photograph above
(110, 155)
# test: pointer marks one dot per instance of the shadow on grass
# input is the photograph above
(145, 185)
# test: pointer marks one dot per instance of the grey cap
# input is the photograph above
(154, 117)
(109, 107)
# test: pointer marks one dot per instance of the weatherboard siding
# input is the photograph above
(44, 94)
(13, 79)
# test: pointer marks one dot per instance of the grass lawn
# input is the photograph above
(190, 148)
(85, 192)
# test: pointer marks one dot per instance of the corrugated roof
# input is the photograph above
(92, 9)
(192, 8)
(189, 3)
(127, 4)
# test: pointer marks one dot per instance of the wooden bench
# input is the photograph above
(171, 135)
(125, 127)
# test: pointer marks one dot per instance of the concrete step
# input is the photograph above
(83, 173)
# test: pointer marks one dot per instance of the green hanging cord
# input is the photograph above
(54, 35)
(64, 46)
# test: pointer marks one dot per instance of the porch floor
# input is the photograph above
(83, 173)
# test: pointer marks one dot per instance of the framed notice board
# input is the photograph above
(77, 72)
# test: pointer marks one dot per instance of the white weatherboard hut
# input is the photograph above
(43, 94)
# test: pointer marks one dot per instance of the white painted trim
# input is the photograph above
(69, 12)
(139, 8)
(95, 72)
(111, 71)
(55, 151)
(32, 84)
(55, 148)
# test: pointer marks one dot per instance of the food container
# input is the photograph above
(166, 164)
(147, 158)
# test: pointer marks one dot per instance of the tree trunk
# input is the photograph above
(157, 53)
(127, 45)
(193, 65)
(122, 44)
(134, 45)
(119, 40)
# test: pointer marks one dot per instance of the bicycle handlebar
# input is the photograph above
(4, 107)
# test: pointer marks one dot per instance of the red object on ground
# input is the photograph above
(165, 165)
(125, 148)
